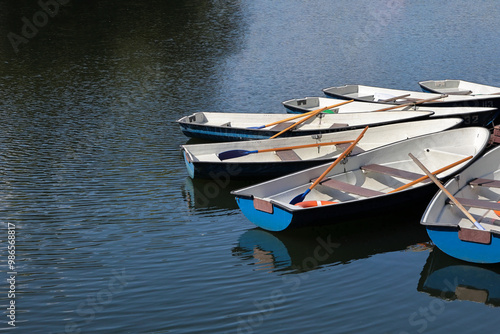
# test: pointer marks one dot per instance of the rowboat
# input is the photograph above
(269, 158)
(475, 116)
(398, 96)
(451, 279)
(247, 126)
(476, 189)
(457, 87)
(369, 183)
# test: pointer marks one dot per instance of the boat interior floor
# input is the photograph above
(481, 197)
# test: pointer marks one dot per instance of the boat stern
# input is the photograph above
(264, 213)
(300, 106)
(469, 245)
(188, 160)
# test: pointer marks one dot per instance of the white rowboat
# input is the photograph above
(204, 160)
(476, 116)
(398, 96)
(458, 87)
(244, 126)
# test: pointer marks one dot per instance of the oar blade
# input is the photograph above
(256, 127)
(300, 198)
(233, 154)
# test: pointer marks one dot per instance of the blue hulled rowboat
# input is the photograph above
(360, 185)
(477, 189)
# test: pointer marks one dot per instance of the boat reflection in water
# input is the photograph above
(306, 249)
(451, 279)
(211, 193)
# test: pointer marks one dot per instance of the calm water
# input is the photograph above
(111, 234)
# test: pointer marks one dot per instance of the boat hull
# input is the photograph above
(279, 218)
(447, 240)
(212, 133)
(254, 170)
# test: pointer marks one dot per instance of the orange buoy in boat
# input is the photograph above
(310, 204)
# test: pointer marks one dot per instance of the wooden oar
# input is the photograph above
(239, 153)
(425, 177)
(412, 103)
(301, 197)
(295, 117)
(283, 120)
(447, 193)
(316, 112)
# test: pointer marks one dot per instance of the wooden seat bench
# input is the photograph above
(366, 98)
(350, 188)
(461, 92)
(288, 155)
(485, 183)
(338, 125)
(394, 98)
(455, 91)
(407, 100)
(356, 150)
(479, 203)
(281, 126)
(393, 172)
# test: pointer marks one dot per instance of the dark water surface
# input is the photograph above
(112, 236)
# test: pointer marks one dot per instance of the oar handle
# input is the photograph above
(340, 157)
(450, 196)
(314, 113)
(413, 103)
(425, 177)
